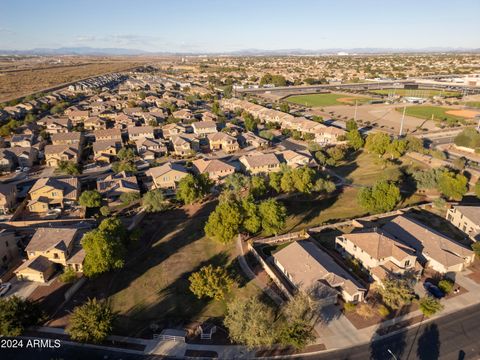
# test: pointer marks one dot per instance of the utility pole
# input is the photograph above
(403, 119)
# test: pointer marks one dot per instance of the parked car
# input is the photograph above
(4, 287)
(434, 290)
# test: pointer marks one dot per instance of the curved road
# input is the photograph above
(453, 336)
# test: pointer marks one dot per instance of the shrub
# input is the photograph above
(365, 311)
(383, 311)
(446, 286)
(68, 275)
(349, 306)
(430, 306)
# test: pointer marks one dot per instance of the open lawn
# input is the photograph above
(362, 169)
(317, 100)
(416, 92)
(427, 112)
(153, 286)
(474, 104)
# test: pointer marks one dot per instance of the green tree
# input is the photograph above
(396, 293)
(249, 322)
(154, 201)
(68, 167)
(273, 215)
(351, 125)
(274, 181)
(430, 306)
(251, 219)
(17, 314)
(381, 197)
(90, 198)
(129, 197)
(236, 182)
(284, 107)
(68, 275)
(249, 121)
(224, 222)
(258, 186)
(446, 285)
(105, 247)
(452, 185)
(91, 322)
(322, 185)
(377, 143)
(355, 139)
(397, 148)
(336, 153)
(211, 282)
(303, 179)
(105, 210)
(414, 144)
(193, 187)
(477, 189)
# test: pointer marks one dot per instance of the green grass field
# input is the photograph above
(317, 100)
(425, 112)
(416, 93)
(475, 104)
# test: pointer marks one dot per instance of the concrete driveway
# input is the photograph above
(22, 289)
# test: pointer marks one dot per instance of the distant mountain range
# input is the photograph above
(246, 52)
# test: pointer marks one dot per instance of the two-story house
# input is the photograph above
(49, 193)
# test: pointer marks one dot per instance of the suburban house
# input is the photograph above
(150, 149)
(57, 125)
(433, 249)
(467, 219)
(378, 252)
(170, 130)
(296, 159)
(9, 250)
(23, 156)
(108, 134)
(203, 128)
(8, 198)
(141, 132)
(216, 169)
(222, 141)
(22, 140)
(311, 270)
(48, 193)
(94, 123)
(183, 114)
(67, 138)
(260, 163)
(78, 116)
(105, 151)
(50, 246)
(117, 184)
(54, 154)
(184, 144)
(167, 176)
(250, 139)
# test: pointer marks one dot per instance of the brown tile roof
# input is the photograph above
(49, 238)
(68, 185)
(70, 136)
(39, 263)
(427, 241)
(165, 168)
(211, 166)
(307, 265)
(470, 212)
(260, 160)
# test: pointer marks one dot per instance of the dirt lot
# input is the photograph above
(16, 83)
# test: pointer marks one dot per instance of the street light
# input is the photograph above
(391, 353)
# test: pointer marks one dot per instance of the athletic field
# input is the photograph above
(330, 99)
(416, 92)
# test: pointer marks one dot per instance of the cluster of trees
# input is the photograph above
(383, 196)
(277, 80)
(154, 201)
(90, 199)
(331, 156)
(469, 137)
(250, 122)
(192, 188)
(302, 179)
(382, 145)
(126, 161)
(105, 247)
(452, 185)
(354, 138)
(251, 322)
(17, 314)
(233, 215)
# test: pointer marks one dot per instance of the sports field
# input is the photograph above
(416, 92)
(426, 112)
(330, 99)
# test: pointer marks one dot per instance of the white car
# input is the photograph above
(4, 287)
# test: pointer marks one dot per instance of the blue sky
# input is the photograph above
(215, 25)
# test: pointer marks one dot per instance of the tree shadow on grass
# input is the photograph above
(177, 306)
